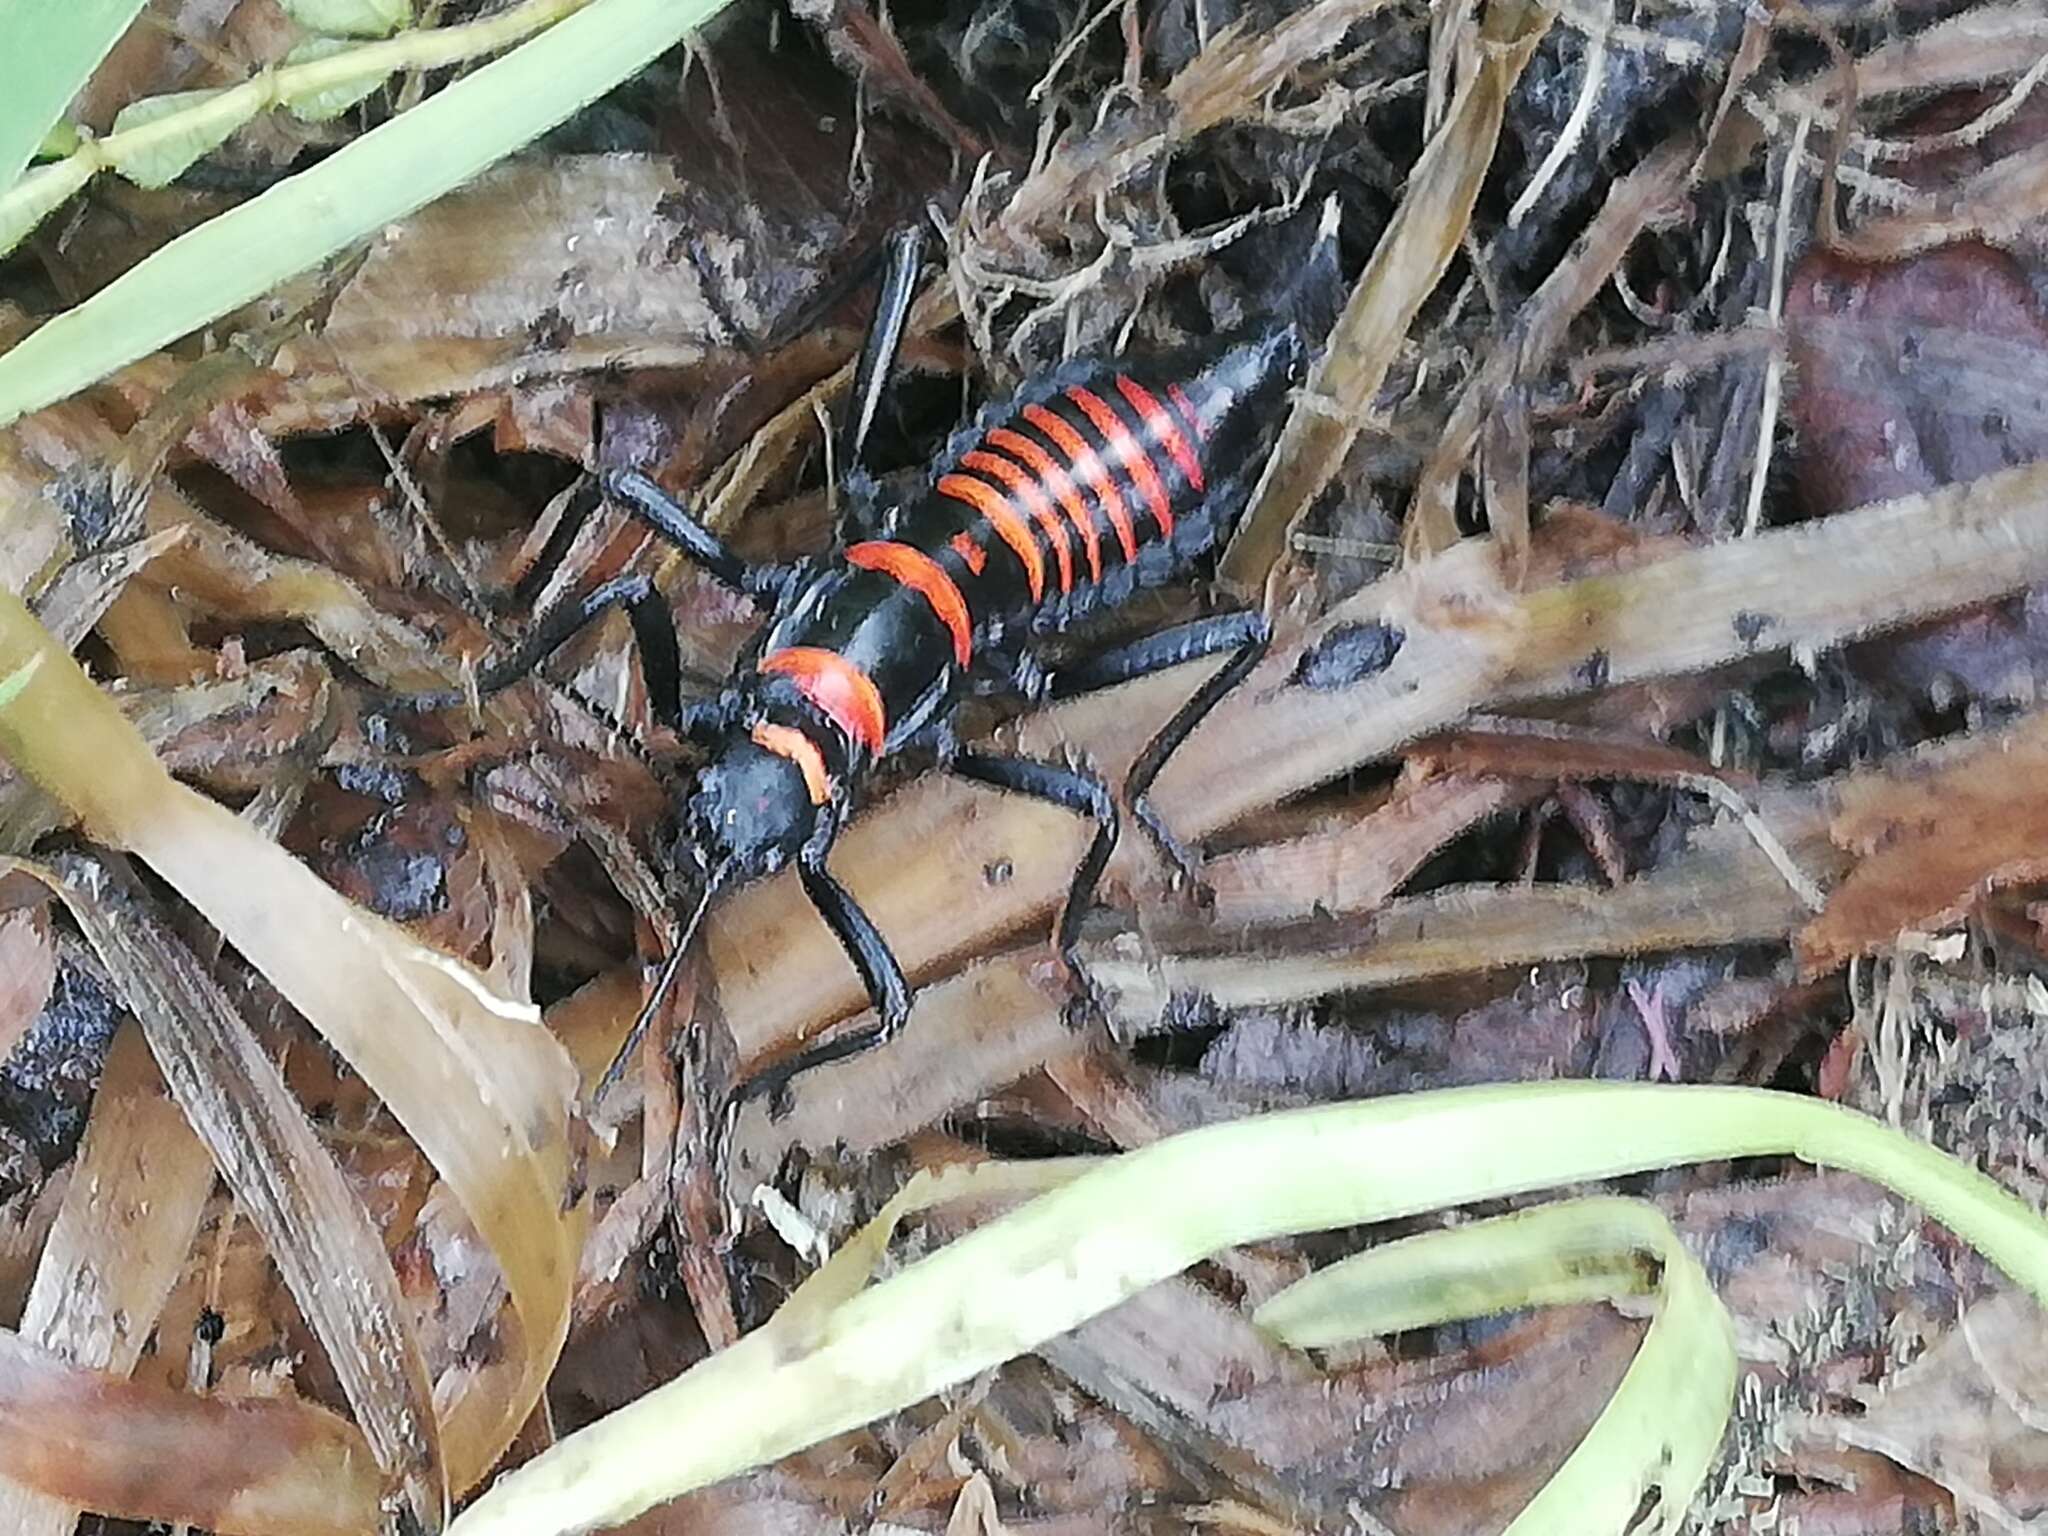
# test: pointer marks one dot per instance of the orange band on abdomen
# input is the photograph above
(1159, 421)
(1043, 465)
(924, 575)
(996, 465)
(971, 554)
(1089, 468)
(787, 741)
(1009, 526)
(1123, 442)
(843, 693)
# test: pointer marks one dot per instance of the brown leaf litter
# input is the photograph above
(1656, 558)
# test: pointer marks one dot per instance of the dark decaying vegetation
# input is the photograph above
(1655, 560)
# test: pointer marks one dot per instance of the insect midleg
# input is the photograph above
(1082, 793)
(668, 518)
(1247, 634)
(576, 512)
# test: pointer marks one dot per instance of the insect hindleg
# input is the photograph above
(1146, 768)
(1155, 653)
(1247, 634)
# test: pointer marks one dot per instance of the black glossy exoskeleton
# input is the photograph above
(1095, 481)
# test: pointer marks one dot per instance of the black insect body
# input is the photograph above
(1082, 490)
(1093, 482)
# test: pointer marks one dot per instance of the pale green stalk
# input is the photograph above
(48, 49)
(380, 177)
(159, 144)
(14, 682)
(1137, 1219)
(1661, 1428)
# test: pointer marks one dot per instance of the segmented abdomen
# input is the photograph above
(1070, 483)
(1048, 505)
(1076, 481)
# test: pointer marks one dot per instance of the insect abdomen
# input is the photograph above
(1069, 484)
(1092, 481)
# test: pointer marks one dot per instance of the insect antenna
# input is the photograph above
(713, 880)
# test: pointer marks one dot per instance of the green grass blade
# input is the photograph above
(1137, 1219)
(380, 177)
(1659, 1430)
(1569, 1251)
(48, 49)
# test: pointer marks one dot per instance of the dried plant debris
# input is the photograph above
(1654, 544)
(1931, 840)
(1912, 375)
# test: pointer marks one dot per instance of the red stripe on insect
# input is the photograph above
(1123, 442)
(787, 741)
(843, 693)
(1043, 465)
(925, 576)
(1084, 462)
(1002, 469)
(1009, 526)
(1187, 409)
(971, 554)
(1159, 421)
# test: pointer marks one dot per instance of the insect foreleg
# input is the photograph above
(653, 630)
(879, 972)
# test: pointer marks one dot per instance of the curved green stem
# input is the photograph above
(377, 178)
(210, 116)
(1083, 1247)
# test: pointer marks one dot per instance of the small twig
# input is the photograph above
(1447, 21)
(1649, 1006)
(1679, 52)
(1679, 356)
(416, 503)
(1067, 51)
(1729, 799)
(1574, 125)
(1978, 128)
(1774, 368)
